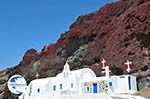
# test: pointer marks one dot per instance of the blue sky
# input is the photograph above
(26, 24)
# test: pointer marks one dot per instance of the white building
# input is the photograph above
(81, 84)
(76, 84)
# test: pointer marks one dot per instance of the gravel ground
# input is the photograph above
(145, 92)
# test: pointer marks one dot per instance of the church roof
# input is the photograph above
(79, 73)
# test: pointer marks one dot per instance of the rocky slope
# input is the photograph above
(116, 32)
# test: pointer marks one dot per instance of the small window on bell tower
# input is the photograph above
(61, 86)
(71, 85)
(38, 90)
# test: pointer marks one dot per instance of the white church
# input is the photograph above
(82, 84)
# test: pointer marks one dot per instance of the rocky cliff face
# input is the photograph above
(116, 32)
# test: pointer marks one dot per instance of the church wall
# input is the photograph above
(115, 84)
(97, 85)
(124, 84)
(63, 85)
(134, 85)
(78, 83)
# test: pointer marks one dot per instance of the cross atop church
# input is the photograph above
(37, 75)
(106, 71)
(128, 63)
(103, 62)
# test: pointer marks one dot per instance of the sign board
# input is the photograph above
(17, 84)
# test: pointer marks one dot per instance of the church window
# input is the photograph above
(71, 85)
(61, 86)
(54, 88)
(110, 83)
(88, 89)
(38, 90)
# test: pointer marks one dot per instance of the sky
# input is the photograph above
(26, 24)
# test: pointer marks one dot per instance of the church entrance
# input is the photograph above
(95, 88)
